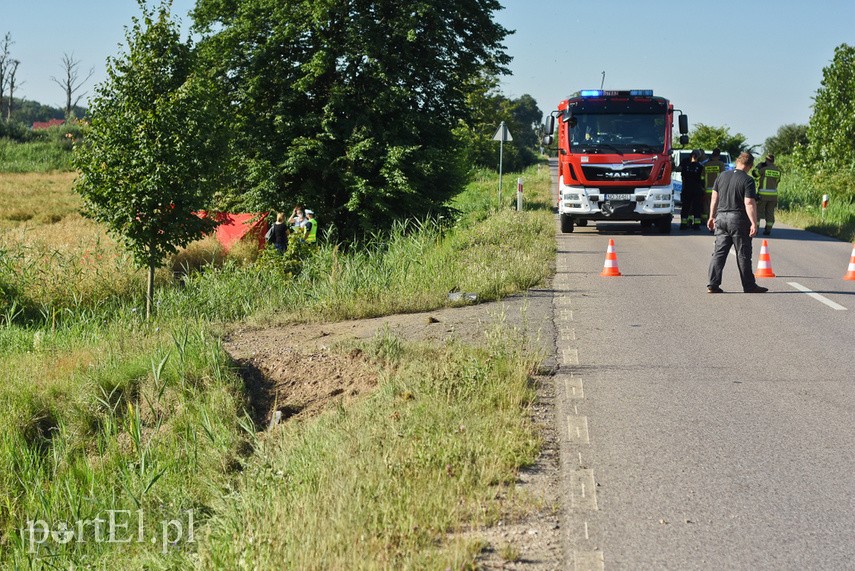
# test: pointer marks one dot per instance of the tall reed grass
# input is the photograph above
(131, 422)
(801, 196)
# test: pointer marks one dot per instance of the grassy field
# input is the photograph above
(110, 416)
(34, 157)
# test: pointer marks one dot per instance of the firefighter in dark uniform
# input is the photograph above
(768, 177)
(693, 192)
(712, 168)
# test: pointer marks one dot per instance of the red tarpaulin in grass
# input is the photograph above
(233, 227)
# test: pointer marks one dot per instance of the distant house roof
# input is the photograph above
(47, 124)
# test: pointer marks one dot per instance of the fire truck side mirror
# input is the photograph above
(684, 125)
(547, 140)
(549, 127)
(684, 140)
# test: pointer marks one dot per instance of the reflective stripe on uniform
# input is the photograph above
(768, 176)
(313, 233)
(714, 171)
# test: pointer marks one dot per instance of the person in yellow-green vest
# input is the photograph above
(310, 227)
(712, 168)
(768, 176)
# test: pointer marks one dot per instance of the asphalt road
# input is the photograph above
(705, 431)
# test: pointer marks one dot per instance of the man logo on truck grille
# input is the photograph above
(618, 174)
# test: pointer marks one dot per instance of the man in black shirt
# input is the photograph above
(733, 216)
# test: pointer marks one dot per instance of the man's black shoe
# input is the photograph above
(714, 289)
(757, 289)
(767, 231)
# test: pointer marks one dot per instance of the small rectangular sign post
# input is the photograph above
(519, 194)
(502, 135)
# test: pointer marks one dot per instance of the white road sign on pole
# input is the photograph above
(502, 135)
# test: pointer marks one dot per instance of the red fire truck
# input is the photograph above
(614, 157)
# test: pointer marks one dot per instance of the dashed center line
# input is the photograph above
(817, 297)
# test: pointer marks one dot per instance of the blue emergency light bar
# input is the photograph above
(605, 93)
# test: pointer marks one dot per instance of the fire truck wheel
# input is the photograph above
(566, 223)
(664, 225)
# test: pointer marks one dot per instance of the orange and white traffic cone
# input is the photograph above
(850, 275)
(764, 264)
(610, 268)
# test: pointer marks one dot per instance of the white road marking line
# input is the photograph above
(569, 357)
(587, 536)
(573, 388)
(817, 297)
(577, 429)
(584, 489)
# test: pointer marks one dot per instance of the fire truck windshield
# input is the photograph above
(616, 132)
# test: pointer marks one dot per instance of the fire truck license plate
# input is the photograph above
(620, 196)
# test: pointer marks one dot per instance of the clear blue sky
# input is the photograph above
(750, 66)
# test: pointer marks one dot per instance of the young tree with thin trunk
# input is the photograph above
(153, 140)
(71, 82)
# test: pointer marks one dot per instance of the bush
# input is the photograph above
(289, 263)
(16, 131)
(804, 189)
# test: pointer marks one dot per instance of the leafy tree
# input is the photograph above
(348, 106)
(831, 131)
(528, 116)
(708, 137)
(487, 109)
(28, 112)
(147, 158)
(786, 140)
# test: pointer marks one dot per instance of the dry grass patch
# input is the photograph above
(36, 197)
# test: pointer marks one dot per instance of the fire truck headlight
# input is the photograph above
(660, 196)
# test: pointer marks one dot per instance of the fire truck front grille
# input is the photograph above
(607, 173)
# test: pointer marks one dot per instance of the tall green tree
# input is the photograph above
(487, 108)
(831, 131)
(528, 116)
(146, 164)
(348, 106)
(708, 137)
(788, 138)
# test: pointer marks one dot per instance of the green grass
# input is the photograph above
(800, 202)
(128, 420)
(105, 411)
(381, 484)
(33, 157)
